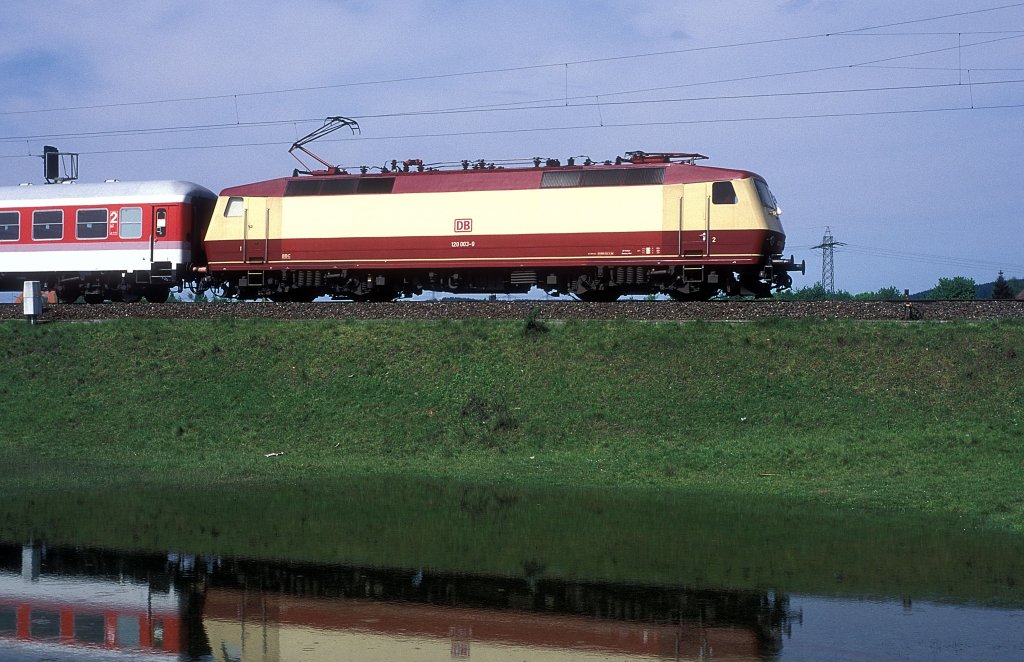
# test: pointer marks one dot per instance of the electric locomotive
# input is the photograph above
(648, 223)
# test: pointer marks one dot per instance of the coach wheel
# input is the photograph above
(157, 293)
(69, 294)
(94, 297)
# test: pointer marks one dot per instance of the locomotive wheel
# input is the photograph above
(157, 293)
(296, 295)
(376, 295)
(94, 297)
(610, 294)
(130, 296)
(700, 294)
(755, 287)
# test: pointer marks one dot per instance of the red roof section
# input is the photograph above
(498, 179)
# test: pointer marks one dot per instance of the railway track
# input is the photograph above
(550, 310)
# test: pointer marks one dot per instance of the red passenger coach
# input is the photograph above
(115, 240)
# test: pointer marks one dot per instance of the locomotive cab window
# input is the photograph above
(47, 225)
(91, 224)
(723, 193)
(765, 193)
(235, 208)
(10, 225)
(131, 222)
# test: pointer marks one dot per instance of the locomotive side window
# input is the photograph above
(376, 185)
(336, 187)
(561, 178)
(91, 224)
(723, 193)
(303, 187)
(640, 176)
(48, 224)
(615, 177)
(603, 177)
(10, 225)
(131, 222)
(234, 208)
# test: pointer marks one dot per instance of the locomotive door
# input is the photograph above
(255, 230)
(695, 221)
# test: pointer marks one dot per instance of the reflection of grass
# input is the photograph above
(618, 535)
(918, 417)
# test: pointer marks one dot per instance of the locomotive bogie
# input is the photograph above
(120, 241)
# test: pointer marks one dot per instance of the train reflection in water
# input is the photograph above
(62, 600)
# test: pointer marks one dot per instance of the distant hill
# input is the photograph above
(982, 290)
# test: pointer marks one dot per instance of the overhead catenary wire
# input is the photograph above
(473, 110)
(926, 258)
(605, 125)
(760, 42)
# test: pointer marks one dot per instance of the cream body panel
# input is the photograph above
(492, 213)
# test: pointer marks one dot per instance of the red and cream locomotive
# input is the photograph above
(647, 224)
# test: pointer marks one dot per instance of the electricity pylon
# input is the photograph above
(827, 246)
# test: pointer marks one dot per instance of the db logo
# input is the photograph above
(463, 225)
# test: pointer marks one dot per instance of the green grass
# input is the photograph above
(913, 417)
(811, 456)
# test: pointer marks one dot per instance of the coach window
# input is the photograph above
(131, 222)
(91, 224)
(161, 222)
(10, 225)
(48, 224)
(234, 207)
(723, 193)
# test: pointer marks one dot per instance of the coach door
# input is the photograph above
(255, 230)
(695, 220)
(157, 230)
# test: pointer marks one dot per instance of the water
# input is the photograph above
(431, 571)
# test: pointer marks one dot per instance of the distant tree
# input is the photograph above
(884, 294)
(1001, 289)
(959, 287)
(814, 292)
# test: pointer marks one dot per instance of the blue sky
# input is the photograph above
(868, 131)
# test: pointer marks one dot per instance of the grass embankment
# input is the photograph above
(685, 454)
(921, 417)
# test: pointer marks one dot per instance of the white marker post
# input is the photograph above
(33, 300)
